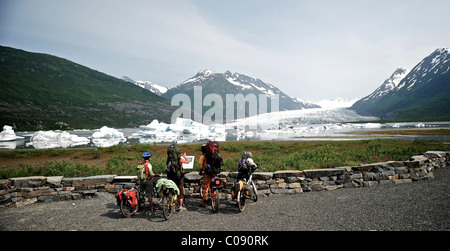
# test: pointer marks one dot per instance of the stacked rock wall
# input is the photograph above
(16, 192)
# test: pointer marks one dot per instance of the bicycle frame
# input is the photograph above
(241, 202)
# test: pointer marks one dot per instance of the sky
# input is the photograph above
(309, 49)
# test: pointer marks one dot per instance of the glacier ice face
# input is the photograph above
(301, 117)
(287, 125)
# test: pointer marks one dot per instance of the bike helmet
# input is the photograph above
(250, 162)
(246, 155)
(146, 155)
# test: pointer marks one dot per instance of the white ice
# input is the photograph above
(182, 131)
(106, 136)
(56, 139)
(8, 134)
(285, 125)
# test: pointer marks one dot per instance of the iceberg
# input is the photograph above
(56, 139)
(182, 131)
(8, 134)
(106, 137)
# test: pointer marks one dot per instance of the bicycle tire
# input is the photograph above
(168, 206)
(214, 200)
(241, 201)
(255, 192)
(126, 209)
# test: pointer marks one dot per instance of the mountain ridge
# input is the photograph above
(422, 93)
(235, 83)
(45, 92)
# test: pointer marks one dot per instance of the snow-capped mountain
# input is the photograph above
(388, 85)
(305, 103)
(435, 65)
(250, 83)
(235, 83)
(422, 93)
(156, 89)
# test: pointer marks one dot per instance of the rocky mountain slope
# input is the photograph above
(423, 93)
(43, 92)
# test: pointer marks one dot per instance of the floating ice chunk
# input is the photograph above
(52, 139)
(107, 133)
(155, 125)
(182, 131)
(367, 125)
(8, 134)
(106, 137)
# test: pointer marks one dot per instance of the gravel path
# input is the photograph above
(422, 205)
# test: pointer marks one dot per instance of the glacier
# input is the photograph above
(291, 125)
(302, 117)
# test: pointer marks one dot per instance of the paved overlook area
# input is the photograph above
(421, 205)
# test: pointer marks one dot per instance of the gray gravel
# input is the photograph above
(422, 205)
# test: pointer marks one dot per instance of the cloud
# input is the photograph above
(309, 49)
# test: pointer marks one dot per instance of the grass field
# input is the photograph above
(270, 155)
(424, 131)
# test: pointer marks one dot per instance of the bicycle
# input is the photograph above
(168, 191)
(213, 192)
(242, 198)
(129, 208)
(170, 199)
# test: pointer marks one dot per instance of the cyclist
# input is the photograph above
(246, 166)
(175, 170)
(203, 169)
(150, 180)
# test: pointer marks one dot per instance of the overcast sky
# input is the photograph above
(314, 50)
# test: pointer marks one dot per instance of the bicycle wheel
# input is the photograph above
(241, 201)
(126, 209)
(214, 199)
(168, 206)
(255, 192)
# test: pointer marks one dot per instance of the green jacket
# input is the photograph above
(168, 184)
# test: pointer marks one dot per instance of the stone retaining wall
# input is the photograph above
(16, 192)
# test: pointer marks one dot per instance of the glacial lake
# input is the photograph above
(291, 132)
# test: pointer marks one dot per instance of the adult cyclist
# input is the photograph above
(150, 180)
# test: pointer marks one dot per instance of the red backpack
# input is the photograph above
(213, 158)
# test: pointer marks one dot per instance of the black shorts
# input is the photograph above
(148, 185)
